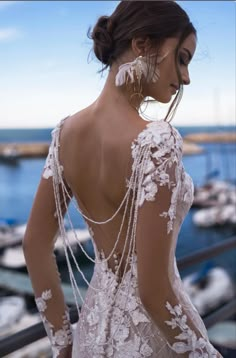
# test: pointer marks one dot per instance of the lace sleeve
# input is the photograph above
(159, 149)
(49, 169)
(38, 246)
(60, 338)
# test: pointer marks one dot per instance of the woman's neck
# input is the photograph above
(120, 97)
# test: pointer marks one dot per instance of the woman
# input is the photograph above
(128, 182)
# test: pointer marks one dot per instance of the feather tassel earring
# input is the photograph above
(138, 67)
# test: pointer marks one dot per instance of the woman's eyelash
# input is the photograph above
(183, 61)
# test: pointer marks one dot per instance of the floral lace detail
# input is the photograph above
(188, 195)
(110, 332)
(62, 337)
(113, 321)
(165, 144)
(48, 170)
(198, 347)
(41, 301)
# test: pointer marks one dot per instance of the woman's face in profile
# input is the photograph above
(168, 83)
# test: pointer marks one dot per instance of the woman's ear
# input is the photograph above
(141, 45)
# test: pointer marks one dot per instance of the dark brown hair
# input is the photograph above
(156, 20)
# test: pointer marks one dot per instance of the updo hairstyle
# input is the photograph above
(156, 20)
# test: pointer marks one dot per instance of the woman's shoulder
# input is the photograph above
(158, 133)
(73, 126)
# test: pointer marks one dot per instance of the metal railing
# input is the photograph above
(31, 334)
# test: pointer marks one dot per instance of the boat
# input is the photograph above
(13, 257)
(73, 236)
(222, 335)
(12, 309)
(215, 216)
(10, 155)
(10, 152)
(14, 317)
(213, 193)
(209, 288)
(11, 232)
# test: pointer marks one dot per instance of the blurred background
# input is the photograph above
(48, 72)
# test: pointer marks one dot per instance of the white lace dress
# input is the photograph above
(113, 321)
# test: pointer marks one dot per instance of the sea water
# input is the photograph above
(18, 184)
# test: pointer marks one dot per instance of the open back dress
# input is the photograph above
(113, 321)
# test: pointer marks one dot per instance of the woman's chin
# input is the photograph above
(165, 100)
(162, 99)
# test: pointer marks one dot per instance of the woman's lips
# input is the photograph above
(174, 88)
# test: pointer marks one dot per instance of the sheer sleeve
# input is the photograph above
(38, 246)
(159, 199)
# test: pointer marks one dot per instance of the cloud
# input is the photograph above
(9, 34)
(5, 4)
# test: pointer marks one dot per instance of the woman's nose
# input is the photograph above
(185, 77)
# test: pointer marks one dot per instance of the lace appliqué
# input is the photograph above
(121, 316)
(197, 347)
(48, 170)
(165, 152)
(62, 337)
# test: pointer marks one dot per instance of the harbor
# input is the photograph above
(109, 66)
(217, 137)
(205, 252)
(12, 152)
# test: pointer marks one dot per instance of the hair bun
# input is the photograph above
(103, 42)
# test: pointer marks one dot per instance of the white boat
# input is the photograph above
(219, 215)
(11, 233)
(73, 236)
(12, 309)
(222, 335)
(10, 155)
(209, 290)
(13, 257)
(213, 193)
(14, 318)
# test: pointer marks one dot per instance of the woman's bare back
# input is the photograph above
(95, 151)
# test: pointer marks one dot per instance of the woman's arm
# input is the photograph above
(48, 210)
(157, 293)
(38, 247)
(161, 174)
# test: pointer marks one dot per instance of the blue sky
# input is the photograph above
(45, 72)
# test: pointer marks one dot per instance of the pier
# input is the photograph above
(40, 150)
(217, 137)
(24, 150)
